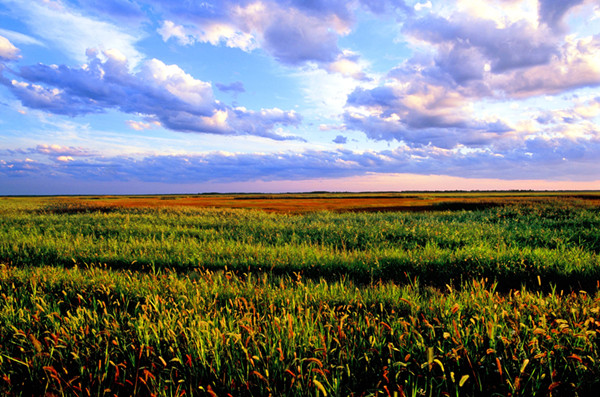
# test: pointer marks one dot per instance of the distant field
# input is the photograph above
(310, 202)
(487, 293)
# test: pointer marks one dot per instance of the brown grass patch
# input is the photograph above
(302, 203)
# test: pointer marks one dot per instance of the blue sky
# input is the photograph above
(161, 96)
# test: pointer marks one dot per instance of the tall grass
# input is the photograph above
(103, 332)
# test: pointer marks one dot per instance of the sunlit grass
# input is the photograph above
(96, 331)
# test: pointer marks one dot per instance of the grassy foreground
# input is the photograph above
(216, 302)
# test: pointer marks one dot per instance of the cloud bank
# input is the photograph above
(557, 159)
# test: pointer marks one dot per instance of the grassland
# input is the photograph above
(458, 294)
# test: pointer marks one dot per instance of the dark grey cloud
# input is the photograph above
(162, 92)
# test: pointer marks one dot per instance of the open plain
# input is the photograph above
(462, 293)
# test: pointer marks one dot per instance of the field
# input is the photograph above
(415, 294)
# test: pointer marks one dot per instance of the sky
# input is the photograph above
(162, 96)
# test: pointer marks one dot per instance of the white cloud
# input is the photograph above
(73, 33)
(140, 125)
(588, 110)
(20, 38)
(170, 30)
(421, 6)
(217, 33)
(348, 64)
(8, 50)
(502, 12)
(183, 86)
(325, 94)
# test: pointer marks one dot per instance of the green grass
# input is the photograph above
(553, 241)
(204, 302)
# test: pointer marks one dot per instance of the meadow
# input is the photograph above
(315, 294)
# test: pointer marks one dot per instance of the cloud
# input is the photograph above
(52, 151)
(574, 66)
(348, 64)
(19, 38)
(51, 100)
(236, 87)
(462, 59)
(480, 42)
(485, 58)
(293, 32)
(213, 32)
(578, 121)
(421, 6)
(170, 30)
(340, 139)
(165, 93)
(419, 113)
(332, 127)
(588, 109)
(262, 123)
(72, 32)
(58, 151)
(8, 52)
(295, 38)
(539, 158)
(140, 125)
(552, 12)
